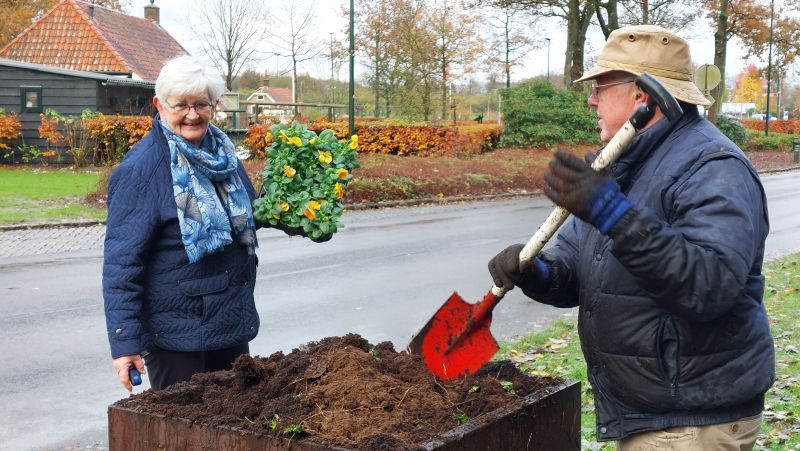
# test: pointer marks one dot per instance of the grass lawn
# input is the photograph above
(31, 196)
(556, 352)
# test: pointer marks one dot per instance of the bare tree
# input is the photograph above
(296, 38)
(229, 31)
(511, 25)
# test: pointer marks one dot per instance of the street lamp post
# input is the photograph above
(548, 59)
(769, 66)
(351, 108)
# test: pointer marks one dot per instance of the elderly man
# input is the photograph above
(663, 256)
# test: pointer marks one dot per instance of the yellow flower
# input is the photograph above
(325, 157)
(268, 138)
(289, 171)
(313, 141)
(284, 205)
(283, 136)
(354, 142)
(295, 141)
(277, 216)
(310, 209)
(341, 173)
(339, 191)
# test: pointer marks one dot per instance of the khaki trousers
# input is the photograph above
(737, 435)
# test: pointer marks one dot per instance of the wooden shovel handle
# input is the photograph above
(608, 155)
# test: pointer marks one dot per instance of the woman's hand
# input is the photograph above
(122, 366)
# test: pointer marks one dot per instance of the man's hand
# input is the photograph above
(122, 366)
(507, 271)
(592, 196)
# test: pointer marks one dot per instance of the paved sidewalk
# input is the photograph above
(18, 243)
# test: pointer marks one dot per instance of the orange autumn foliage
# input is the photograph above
(10, 129)
(778, 126)
(420, 140)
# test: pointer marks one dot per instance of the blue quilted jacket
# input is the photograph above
(153, 296)
(671, 318)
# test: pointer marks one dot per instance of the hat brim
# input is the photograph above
(683, 90)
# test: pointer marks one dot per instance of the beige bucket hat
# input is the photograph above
(651, 49)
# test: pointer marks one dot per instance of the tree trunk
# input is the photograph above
(720, 51)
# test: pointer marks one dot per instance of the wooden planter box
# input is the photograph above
(536, 422)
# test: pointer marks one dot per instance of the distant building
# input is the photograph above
(30, 89)
(267, 101)
(737, 109)
(79, 36)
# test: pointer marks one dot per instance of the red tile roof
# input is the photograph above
(278, 95)
(74, 35)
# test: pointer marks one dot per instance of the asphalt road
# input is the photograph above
(382, 277)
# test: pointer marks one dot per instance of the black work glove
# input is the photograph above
(594, 197)
(507, 271)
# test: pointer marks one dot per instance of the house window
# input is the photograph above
(30, 99)
(260, 97)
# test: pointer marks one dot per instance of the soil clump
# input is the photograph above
(340, 391)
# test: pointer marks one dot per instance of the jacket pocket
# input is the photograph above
(210, 290)
(668, 352)
(205, 285)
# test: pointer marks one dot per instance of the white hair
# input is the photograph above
(185, 76)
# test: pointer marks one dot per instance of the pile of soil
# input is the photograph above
(340, 391)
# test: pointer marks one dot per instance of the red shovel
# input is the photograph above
(457, 340)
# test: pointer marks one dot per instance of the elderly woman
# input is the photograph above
(179, 262)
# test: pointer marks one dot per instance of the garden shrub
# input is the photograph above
(10, 129)
(115, 135)
(774, 142)
(538, 114)
(399, 139)
(733, 129)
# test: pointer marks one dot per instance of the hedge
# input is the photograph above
(775, 125)
(396, 139)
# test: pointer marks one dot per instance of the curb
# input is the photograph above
(50, 225)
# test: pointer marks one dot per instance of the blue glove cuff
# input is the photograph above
(609, 205)
(542, 270)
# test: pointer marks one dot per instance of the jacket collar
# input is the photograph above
(645, 142)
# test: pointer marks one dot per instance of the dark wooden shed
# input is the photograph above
(29, 89)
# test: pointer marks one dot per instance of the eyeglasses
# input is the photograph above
(201, 107)
(596, 87)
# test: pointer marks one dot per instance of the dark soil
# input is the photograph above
(340, 391)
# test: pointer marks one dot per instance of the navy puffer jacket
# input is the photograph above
(153, 296)
(671, 318)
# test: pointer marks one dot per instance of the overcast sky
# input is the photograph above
(176, 13)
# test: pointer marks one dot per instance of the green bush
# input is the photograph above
(733, 129)
(774, 142)
(536, 114)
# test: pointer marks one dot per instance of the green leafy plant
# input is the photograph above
(304, 179)
(375, 353)
(294, 429)
(274, 423)
(508, 386)
(461, 417)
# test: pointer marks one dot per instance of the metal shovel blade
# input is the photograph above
(455, 341)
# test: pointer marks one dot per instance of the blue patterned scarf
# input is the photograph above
(211, 198)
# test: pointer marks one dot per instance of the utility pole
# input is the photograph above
(332, 99)
(548, 59)
(351, 108)
(769, 66)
